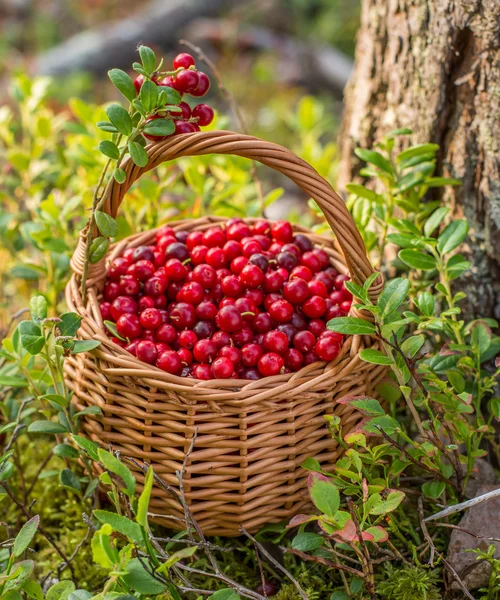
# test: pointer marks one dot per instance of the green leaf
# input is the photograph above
(426, 303)
(90, 447)
(121, 524)
(83, 595)
(107, 126)
(109, 149)
(65, 451)
(176, 557)
(324, 494)
(306, 541)
(453, 235)
(457, 265)
(363, 192)
(148, 59)
(480, 338)
(9, 381)
(33, 590)
(412, 345)
(119, 175)
(368, 406)
(70, 323)
(46, 427)
(84, 346)
(111, 463)
(33, 343)
(111, 327)
(433, 182)
(120, 118)
(123, 82)
(351, 326)
(417, 150)
(98, 249)
(411, 179)
(392, 501)
(60, 591)
(107, 225)
(456, 380)
(89, 410)
(38, 308)
(405, 240)
(172, 96)
(435, 220)
(225, 594)
(138, 154)
(159, 127)
(371, 156)
(148, 96)
(385, 423)
(69, 480)
(143, 504)
(393, 295)
(375, 357)
(417, 260)
(25, 536)
(311, 464)
(141, 581)
(433, 489)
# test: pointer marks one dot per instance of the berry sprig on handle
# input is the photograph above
(156, 111)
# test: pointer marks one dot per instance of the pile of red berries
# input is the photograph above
(243, 301)
(187, 80)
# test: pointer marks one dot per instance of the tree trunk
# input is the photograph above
(434, 66)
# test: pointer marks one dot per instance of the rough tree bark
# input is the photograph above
(434, 66)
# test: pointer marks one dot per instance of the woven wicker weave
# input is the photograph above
(252, 437)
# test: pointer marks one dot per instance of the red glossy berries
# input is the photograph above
(183, 60)
(244, 301)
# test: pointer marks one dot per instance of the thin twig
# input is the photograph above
(364, 553)
(451, 510)
(261, 570)
(45, 533)
(274, 562)
(471, 533)
(19, 313)
(324, 561)
(424, 530)
(234, 107)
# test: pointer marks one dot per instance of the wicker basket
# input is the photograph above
(252, 436)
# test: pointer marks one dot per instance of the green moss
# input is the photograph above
(410, 583)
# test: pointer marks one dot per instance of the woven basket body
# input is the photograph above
(251, 436)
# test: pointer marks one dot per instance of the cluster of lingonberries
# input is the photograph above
(243, 301)
(187, 80)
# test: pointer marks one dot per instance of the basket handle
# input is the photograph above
(273, 155)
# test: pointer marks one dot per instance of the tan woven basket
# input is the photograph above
(252, 436)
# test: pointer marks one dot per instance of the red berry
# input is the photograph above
(132, 347)
(316, 327)
(232, 249)
(262, 322)
(187, 338)
(221, 339)
(204, 114)
(275, 341)
(244, 336)
(206, 311)
(269, 299)
(105, 310)
(304, 341)
(251, 276)
(205, 275)
(186, 81)
(192, 293)
(231, 286)
(281, 311)
(162, 347)
(250, 247)
(282, 231)
(129, 326)
(339, 281)
(205, 351)
(146, 302)
(122, 305)
(289, 330)
(169, 361)
(311, 261)
(250, 354)
(204, 329)
(186, 356)
(301, 272)
(287, 260)
(198, 255)
(111, 291)
(184, 60)
(155, 286)
(314, 307)
(322, 256)
(216, 258)
(203, 85)
(166, 334)
(303, 242)
(262, 227)
(129, 285)
(177, 250)
(138, 81)
(214, 237)
(270, 364)
(333, 313)
(195, 238)
(346, 306)
(222, 368)
(237, 231)
(255, 295)
(146, 351)
(294, 249)
(310, 357)
(327, 348)
(293, 359)
(238, 264)
(202, 372)
(118, 268)
(151, 318)
(317, 288)
(231, 352)
(183, 316)
(296, 291)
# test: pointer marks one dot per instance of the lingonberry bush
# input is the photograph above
(414, 451)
